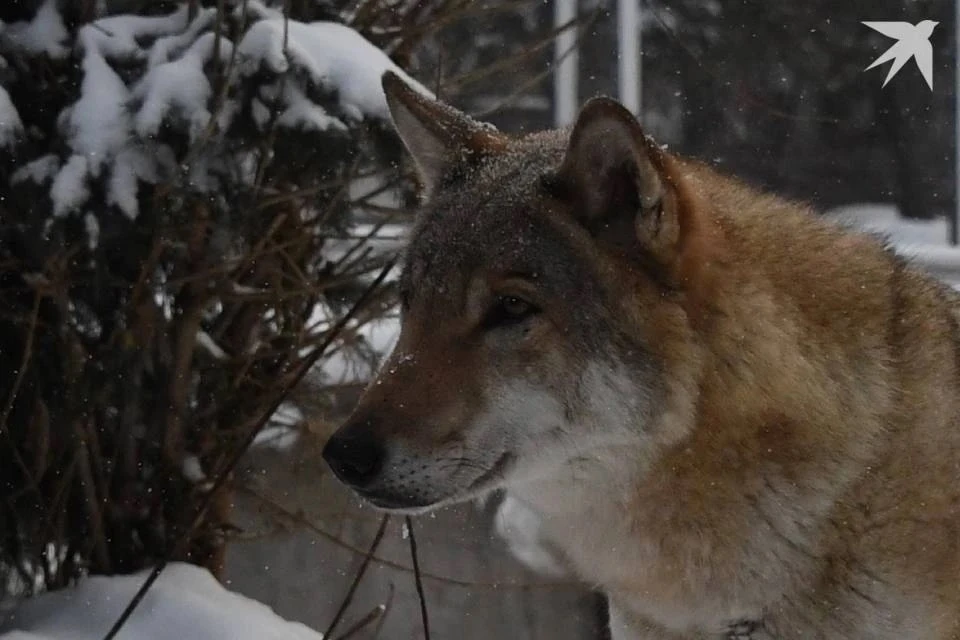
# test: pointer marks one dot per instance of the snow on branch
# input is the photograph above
(152, 83)
(45, 34)
(333, 56)
(179, 88)
(10, 124)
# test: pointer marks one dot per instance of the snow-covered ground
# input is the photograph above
(186, 603)
(925, 242)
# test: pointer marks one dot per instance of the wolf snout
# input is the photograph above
(356, 455)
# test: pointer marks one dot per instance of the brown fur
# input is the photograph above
(787, 464)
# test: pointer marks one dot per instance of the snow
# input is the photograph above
(130, 166)
(98, 124)
(111, 129)
(117, 37)
(885, 219)
(923, 241)
(192, 469)
(10, 124)
(38, 171)
(208, 344)
(378, 239)
(260, 10)
(179, 86)
(279, 438)
(70, 189)
(45, 34)
(334, 56)
(168, 47)
(92, 226)
(186, 603)
(287, 414)
(302, 113)
(346, 366)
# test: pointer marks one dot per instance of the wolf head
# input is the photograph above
(543, 296)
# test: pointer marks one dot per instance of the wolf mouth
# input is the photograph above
(395, 503)
(408, 502)
(495, 472)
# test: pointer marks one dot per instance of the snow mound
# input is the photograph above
(186, 603)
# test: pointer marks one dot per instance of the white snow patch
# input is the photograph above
(46, 33)
(257, 9)
(279, 438)
(38, 171)
(287, 414)
(180, 87)
(885, 219)
(116, 36)
(260, 112)
(208, 344)
(131, 166)
(346, 365)
(70, 190)
(378, 239)
(92, 226)
(185, 602)
(922, 241)
(302, 113)
(10, 124)
(167, 47)
(98, 124)
(245, 290)
(333, 55)
(192, 469)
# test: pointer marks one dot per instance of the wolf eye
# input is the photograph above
(508, 310)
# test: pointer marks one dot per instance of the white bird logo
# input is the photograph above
(913, 41)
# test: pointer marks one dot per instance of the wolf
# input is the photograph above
(735, 418)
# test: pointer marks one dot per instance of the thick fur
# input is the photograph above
(733, 417)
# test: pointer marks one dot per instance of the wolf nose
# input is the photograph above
(356, 456)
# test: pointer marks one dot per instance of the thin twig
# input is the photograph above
(417, 581)
(361, 624)
(396, 566)
(98, 534)
(348, 598)
(705, 68)
(585, 24)
(578, 23)
(386, 611)
(24, 361)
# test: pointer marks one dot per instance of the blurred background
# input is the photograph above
(201, 205)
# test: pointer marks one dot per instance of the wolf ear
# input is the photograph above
(441, 139)
(617, 181)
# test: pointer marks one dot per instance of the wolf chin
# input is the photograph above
(731, 416)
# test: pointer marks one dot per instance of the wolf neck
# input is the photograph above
(763, 430)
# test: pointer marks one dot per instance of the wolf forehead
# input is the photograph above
(497, 215)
